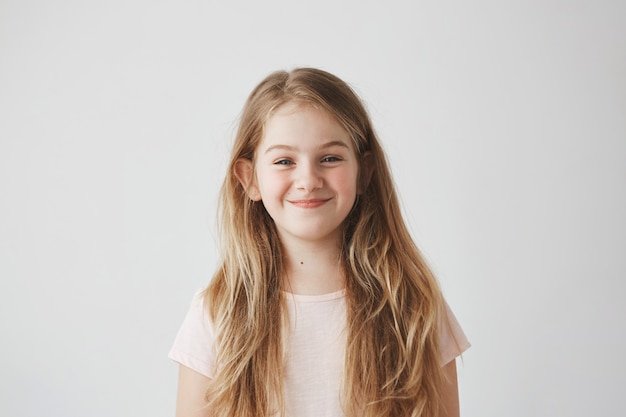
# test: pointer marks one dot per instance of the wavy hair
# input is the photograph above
(394, 304)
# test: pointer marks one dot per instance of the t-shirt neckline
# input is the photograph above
(302, 298)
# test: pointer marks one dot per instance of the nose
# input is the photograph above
(308, 177)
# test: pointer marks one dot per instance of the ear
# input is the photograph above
(367, 169)
(244, 171)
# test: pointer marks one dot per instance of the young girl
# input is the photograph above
(322, 304)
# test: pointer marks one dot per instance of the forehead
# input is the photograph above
(302, 124)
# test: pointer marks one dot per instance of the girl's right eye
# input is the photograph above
(283, 162)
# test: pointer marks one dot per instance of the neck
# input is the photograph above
(312, 268)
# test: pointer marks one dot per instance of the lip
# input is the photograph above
(309, 203)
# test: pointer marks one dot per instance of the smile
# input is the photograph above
(310, 203)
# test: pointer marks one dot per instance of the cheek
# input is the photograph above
(271, 183)
(347, 181)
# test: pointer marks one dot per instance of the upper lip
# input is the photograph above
(309, 200)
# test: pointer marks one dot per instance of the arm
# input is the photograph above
(450, 391)
(190, 397)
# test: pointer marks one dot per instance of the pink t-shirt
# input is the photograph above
(315, 351)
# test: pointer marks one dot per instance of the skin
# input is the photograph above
(190, 397)
(450, 391)
(305, 173)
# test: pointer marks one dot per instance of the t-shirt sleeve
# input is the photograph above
(193, 346)
(453, 341)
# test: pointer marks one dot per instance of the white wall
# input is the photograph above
(505, 126)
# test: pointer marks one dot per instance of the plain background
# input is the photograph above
(504, 122)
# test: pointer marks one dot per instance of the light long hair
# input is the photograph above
(394, 304)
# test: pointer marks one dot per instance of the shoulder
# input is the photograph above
(452, 341)
(194, 343)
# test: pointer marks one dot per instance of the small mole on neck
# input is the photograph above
(301, 263)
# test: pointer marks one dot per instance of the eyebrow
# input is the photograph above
(327, 145)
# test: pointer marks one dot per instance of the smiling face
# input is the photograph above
(305, 172)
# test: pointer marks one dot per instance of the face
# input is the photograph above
(305, 172)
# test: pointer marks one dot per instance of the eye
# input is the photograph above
(283, 162)
(331, 159)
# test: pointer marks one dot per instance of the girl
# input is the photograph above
(322, 305)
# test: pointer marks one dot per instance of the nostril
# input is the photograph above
(308, 180)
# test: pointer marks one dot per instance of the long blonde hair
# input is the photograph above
(394, 304)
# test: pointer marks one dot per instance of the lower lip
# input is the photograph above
(309, 203)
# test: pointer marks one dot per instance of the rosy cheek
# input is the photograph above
(347, 180)
(275, 181)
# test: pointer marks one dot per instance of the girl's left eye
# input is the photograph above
(331, 159)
